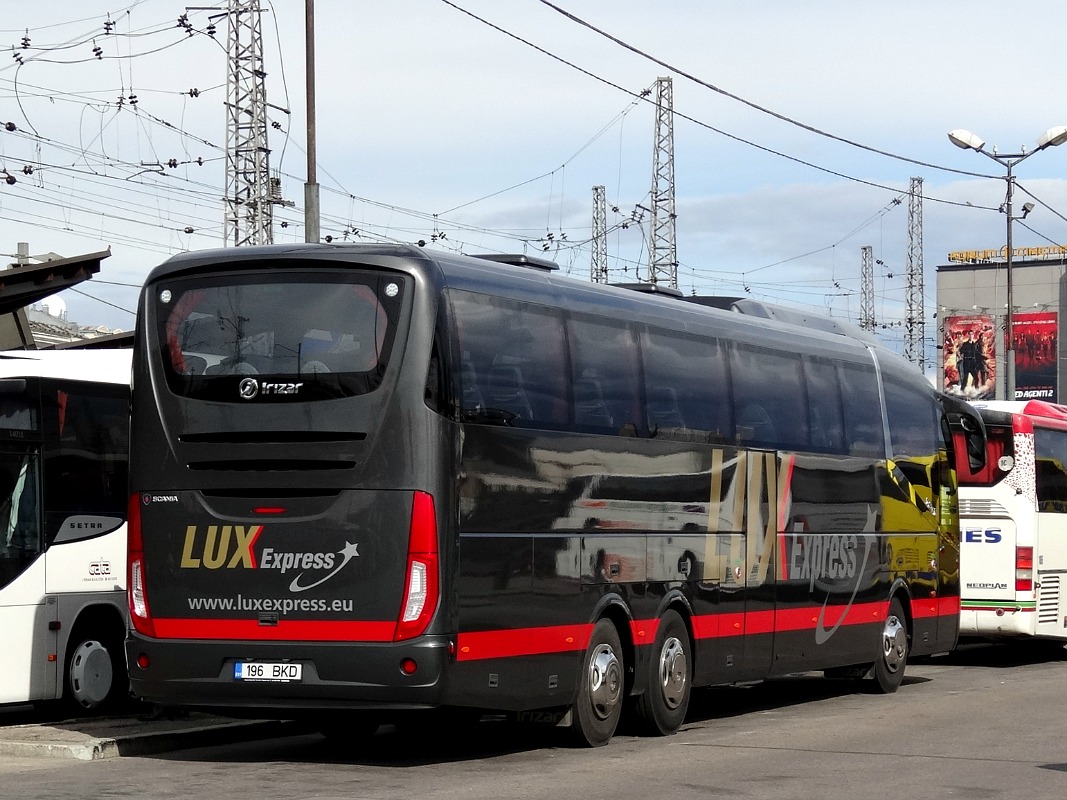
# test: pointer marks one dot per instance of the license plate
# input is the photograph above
(273, 671)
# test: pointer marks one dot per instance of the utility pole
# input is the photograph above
(662, 250)
(598, 272)
(914, 313)
(311, 188)
(867, 289)
(249, 193)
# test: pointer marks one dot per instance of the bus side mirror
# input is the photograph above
(963, 419)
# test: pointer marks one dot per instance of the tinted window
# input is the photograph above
(861, 408)
(605, 376)
(686, 385)
(325, 330)
(914, 419)
(1051, 452)
(770, 398)
(513, 362)
(20, 529)
(826, 418)
(85, 467)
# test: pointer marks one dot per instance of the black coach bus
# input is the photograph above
(369, 479)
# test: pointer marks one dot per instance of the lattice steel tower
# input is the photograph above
(914, 313)
(249, 208)
(867, 289)
(662, 251)
(598, 272)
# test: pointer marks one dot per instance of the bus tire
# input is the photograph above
(893, 650)
(96, 681)
(601, 686)
(661, 709)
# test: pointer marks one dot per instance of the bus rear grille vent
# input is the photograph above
(272, 437)
(271, 465)
(1048, 600)
(977, 508)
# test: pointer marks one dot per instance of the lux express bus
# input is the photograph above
(1013, 519)
(375, 479)
(64, 439)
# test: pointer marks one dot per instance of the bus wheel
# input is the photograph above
(600, 688)
(96, 674)
(661, 709)
(893, 657)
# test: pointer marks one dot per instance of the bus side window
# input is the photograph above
(604, 375)
(687, 390)
(511, 357)
(1050, 448)
(824, 406)
(769, 398)
(861, 408)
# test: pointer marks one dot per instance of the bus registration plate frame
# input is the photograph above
(268, 671)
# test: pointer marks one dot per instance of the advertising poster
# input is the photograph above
(970, 357)
(1034, 341)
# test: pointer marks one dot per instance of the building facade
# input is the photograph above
(972, 300)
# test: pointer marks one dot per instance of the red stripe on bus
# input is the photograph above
(286, 629)
(926, 607)
(644, 630)
(475, 645)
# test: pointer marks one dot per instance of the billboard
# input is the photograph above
(970, 357)
(1034, 341)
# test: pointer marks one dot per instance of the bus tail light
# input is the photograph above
(421, 579)
(137, 594)
(1024, 569)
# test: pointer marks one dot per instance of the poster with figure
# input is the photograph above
(970, 357)
(1034, 341)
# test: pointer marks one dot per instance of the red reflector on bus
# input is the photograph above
(269, 510)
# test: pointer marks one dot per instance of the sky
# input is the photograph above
(482, 126)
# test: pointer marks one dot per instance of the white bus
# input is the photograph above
(64, 444)
(1013, 526)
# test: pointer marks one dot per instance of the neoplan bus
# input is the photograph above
(377, 479)
(1013, 516)
(64, 439)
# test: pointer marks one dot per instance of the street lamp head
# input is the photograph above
(968, 141)
(1052, 137)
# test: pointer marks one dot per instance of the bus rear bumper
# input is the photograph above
(333, 675)
(1009, 619)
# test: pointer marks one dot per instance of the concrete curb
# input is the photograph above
(90, 740)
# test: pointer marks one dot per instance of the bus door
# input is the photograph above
(25, 613)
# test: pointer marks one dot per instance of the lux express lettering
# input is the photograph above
(818, 557)
(232, 546)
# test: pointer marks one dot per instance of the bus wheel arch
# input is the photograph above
(660, 710)
(894, 647)
(95, 679)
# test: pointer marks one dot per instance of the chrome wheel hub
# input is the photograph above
(605, 681)
(894, 643)
(673, 673)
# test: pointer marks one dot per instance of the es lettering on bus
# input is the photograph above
(223, 545)
(983, 535)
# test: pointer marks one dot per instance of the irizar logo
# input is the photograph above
(233, 547)
(249, 388)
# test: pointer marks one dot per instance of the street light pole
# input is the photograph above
(969, 141)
